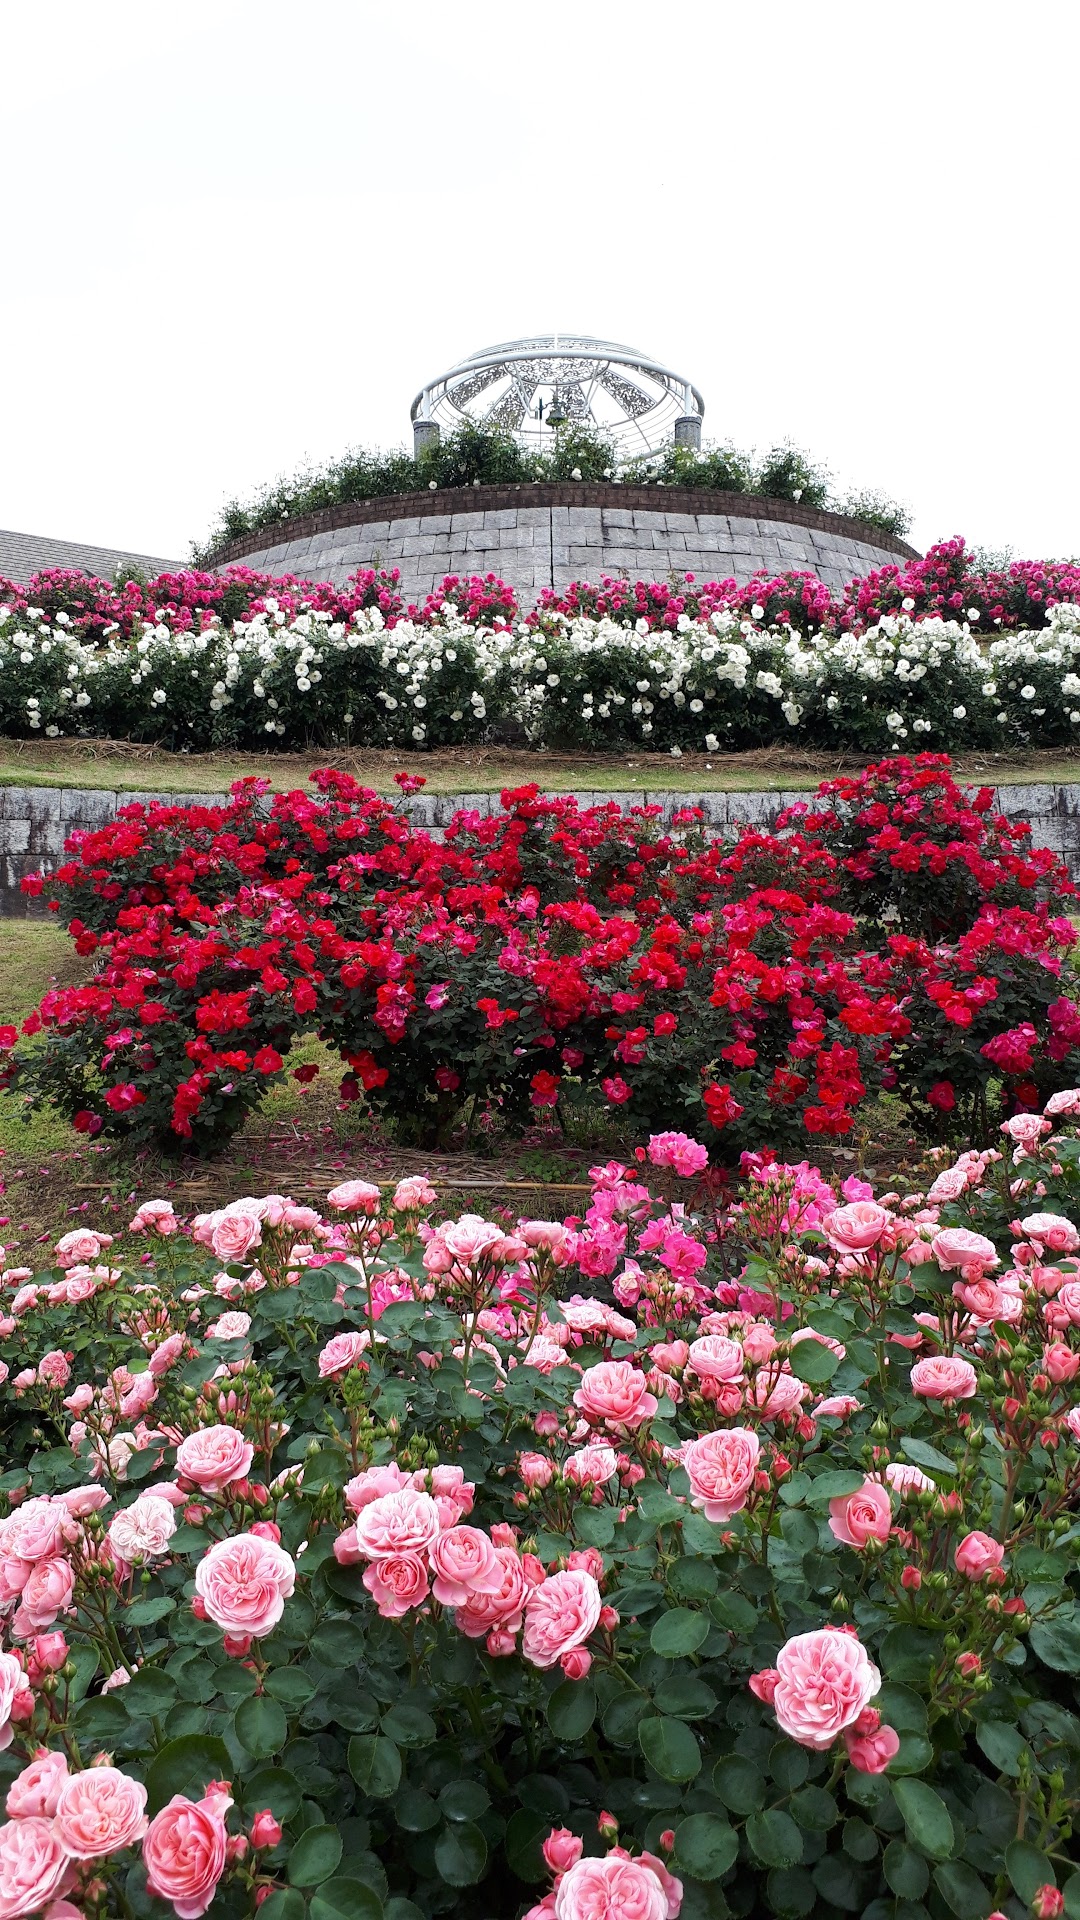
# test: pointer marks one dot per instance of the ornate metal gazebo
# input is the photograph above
(532, 387)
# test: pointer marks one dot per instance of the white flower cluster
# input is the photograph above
(722, 681)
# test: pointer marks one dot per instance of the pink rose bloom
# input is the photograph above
(372, 1483)
(244, 1583)
(549, 1235)
(12, 1683)
(23, 1301)
(34, 1792)
(559, 1614)
(345, 1350)
(871, 1752)
(1067, 1101)
(826, 1679)
(615, 1394)
(213, 1457)
(536, 1470)
(157, 1215)
(234, 1234)
(355, 1196)
(80, 1246)
(561, 1849)
(856, 1228)
(959, 1247)
(1061, 1363)
(716, 1358)
(591, 1466)
(616, 1888)
(907, 1479)
(777, 1393)
(1025, 1129)
(721, 1468)
(1064, 1309)
(503, 1609)
(949, 1185)
(34, 1867)
(1051, 1230)
(230, 1326)
(977, 1555)
(413, 1193)
(837, 1406)
(100, 1811)
(46, 1595)
(167, 1354)
(35, 1531)
(142, 1530)
(397, 1583)
(463, 1562)
(856, 1518)
(945, 1377)
(184, 1852)
(468, 1239)
(677, 1150)
(54, 1369)
(987, 1302)
(402, 1522)
(673, 1888)
(80, 1501)
(758, 1343)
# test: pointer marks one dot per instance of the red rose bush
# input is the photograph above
(696, 1555)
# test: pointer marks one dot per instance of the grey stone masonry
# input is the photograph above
(35, 822)
(550, 536)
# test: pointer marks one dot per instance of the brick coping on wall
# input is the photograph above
(568, 493)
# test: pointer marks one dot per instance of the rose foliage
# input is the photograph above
(695, 1556)
(894, 934)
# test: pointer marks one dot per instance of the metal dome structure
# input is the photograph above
(529, 387)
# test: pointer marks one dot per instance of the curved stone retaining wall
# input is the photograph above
(548, 536)
(36, 821)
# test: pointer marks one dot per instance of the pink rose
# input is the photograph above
(396, 1583)
(959, 1247)
(826, 1679)
(616, 1888)
(413, 1193)
(977, 1555)
(504, 1608)
(12, 1683)
(673, 1888)
(559, 1614)
(907, 1479)
(856, 1518)
(244, 1583)
(167, 1354)
(856, 1228)
(1051, 1230)
(34, 1792)
(561, 1849)
(591, 1466)
(467, 1240)
(99, 1812)
(1064, 1309)
(80, 1501)
(345, 1350)
(949, 1185)
(871, 1752)
(402, 1522)
(265, 1830)
(463, 1562)
(34, 1867)
(184, 1852)
(1025, 1129)
(80, 1246)
(615, 1394)
(230, 1326)
(47, 1594)
(54, 1369)
(945, 1377)
(234, 1234)
(213, 1457)
(777, 1393)
(142, 1530)
(536, 1470)
(355, 1196)
(721, 1468)
(1067, 1101)
(987, 1302)
(35, 1531)
(715, 1358)
(372, 1483)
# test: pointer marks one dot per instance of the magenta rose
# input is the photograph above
(826, 1679)
(100, 1811)
(213, 1457)
(34, 1867)
(977, 1555)
(184, 1852)
(856, 1518)
(244, 1583)
(560, 1613)
(944, 1377)
(721, 1468)
(615, 1394)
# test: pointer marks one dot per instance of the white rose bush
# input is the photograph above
(707, 1554)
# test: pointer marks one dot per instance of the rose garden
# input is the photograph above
(705, 1548)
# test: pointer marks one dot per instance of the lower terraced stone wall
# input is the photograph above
(36, 821)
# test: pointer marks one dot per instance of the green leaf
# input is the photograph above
(284, 1904)
(143, 1613)
(684, 1695)
(338, 1643)
(273, 1787)
(1003, 1745)
(261, 1726)
(375, 1764)
(185, 1766)
(571, 1710)
(905, 1870)
(739, 1784)
(833, 1486)
(813, 1362)
(595, 1525)
(962, 1890)
(346, 1900)
(734, 1611)
(926, 1818)
(461, 1854)
(791, 1892)
(677, 1632)
(1072, 1897)
(705, 1846)
(670, 1747)
(1028, 1868)
(464, 1800)
(775, 1838)
(922, 1454)
(526, 1832)
(814, 1809)
(149, 1691)
(1057, 1642)
(314, 1856)
(416, 1812)
(289, 1685)
(408, 1725)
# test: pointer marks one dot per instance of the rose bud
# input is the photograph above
(911, 1579)
(1047, 1903)
(265, 1830)
(561, 1849)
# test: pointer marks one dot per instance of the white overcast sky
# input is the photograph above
(238, 234)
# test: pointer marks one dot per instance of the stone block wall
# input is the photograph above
(36, 821)
(550, 536)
